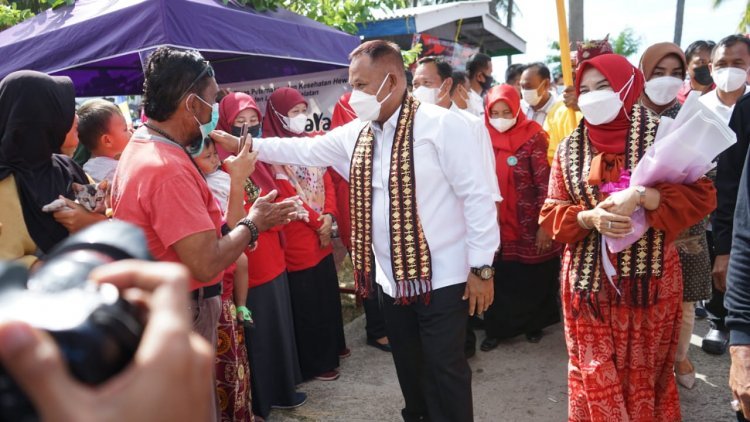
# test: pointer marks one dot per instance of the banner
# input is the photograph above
(321, 90)
(455, 53)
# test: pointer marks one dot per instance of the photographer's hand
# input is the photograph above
(169, 355)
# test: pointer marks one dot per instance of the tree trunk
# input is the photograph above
(575, 22)
(678, 21)
(509, 23)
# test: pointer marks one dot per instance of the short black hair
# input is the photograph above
(459, 78)
(514, 72)
(444, 69)
(730, 41)
(93, 121)
(696, 47)
(541, 69)
(377, 50)
(170, 74)
(476, 63)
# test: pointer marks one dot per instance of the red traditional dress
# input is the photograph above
(621, 335)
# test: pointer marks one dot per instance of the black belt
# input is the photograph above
(206, 292)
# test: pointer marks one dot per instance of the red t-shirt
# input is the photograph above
(266, 261)
(157, 188)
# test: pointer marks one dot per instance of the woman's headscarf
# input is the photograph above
(655, 53)
(343, 113)
(505, 145)
(36, 112)
(307, 181)
(229, 107)
(611, 137)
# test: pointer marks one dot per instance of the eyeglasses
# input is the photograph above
(207, 71)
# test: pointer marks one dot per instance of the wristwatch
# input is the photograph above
(254, 234)
(485, 272)
(642, 194)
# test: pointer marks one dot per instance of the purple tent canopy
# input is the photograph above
(99, 43)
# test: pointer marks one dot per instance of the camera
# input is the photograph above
(97, 331)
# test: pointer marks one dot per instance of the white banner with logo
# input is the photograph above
(322, 90)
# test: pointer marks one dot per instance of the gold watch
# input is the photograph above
(485, 272)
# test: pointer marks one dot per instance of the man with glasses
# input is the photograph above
(159, 188)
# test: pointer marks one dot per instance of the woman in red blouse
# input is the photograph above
(271, 348)
(621, 330)
(526, 269)
(313, 283)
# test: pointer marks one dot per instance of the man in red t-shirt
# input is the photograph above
(159, 188)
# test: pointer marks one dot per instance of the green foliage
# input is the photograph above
(744, 24)
(13, 12)
(411, 56)
(11, 15)
(626, 43)
(339, 14)
(554, 62)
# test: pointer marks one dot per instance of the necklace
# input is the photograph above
(169, 138)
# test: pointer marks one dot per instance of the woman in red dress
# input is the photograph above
(621, 333)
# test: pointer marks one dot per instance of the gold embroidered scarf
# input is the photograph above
(636, 265)
(410, 254)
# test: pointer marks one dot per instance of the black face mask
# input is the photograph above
(254, 131)
(703, 75)
(487, 84)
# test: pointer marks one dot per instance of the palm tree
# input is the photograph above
(678, 21)
(575, 21)
(745, 22)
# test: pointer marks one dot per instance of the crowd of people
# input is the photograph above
(455, 197)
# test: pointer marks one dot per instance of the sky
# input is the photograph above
(652, 20)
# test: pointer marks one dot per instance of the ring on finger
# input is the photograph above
(609, 224)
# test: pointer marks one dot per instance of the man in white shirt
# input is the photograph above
(479, 70)
(451, 239)
(535, 91)
(434, 84)
(730, 62)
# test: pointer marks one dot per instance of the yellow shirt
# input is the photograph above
(15, 241)
(558, 126)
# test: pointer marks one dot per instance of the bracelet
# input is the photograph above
(254, 233)
(581, 223)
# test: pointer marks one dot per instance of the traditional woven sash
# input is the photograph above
(410, 254)
(636, 265)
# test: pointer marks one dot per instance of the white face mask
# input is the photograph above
(663, 90)
(602, 106)
(367, 105)
(729, 79)
(296, 124)
(531, 96)
(426, 95)
(502, 124)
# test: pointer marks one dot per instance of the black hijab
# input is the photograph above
(36, 112)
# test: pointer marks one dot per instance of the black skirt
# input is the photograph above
(318, 325)
(271, 346)
(525, 298)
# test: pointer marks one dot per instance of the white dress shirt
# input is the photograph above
(455, 204)
(540, 115)
(712, 101)
(482, 137)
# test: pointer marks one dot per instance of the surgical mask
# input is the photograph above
(531, 96)
(487, 84)
(297, 123)
(206, 128)
(729, 79)
(601, 107)
(366, 106)
(254, 131)
(502, 124)
(702, 75)
(428, 95)
(663, 90)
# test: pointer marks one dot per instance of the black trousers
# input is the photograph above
(715, 307)
(374, 318)
(428, 350)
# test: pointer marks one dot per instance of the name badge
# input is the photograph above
(512, 161)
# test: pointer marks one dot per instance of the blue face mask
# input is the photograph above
(206, 128)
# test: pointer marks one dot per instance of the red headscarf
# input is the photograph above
(281, 101)
(505, 145)
(229, 107)
(611, 137)
(343, 113)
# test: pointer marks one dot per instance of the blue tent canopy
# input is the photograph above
(100, 43)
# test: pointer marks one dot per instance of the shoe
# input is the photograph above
(384, 347)
(328, 376)
(299, 400)
(687, 378)
(345, 353)
(534, 336)
(701, 312)
(715, 342)
(489, 343)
